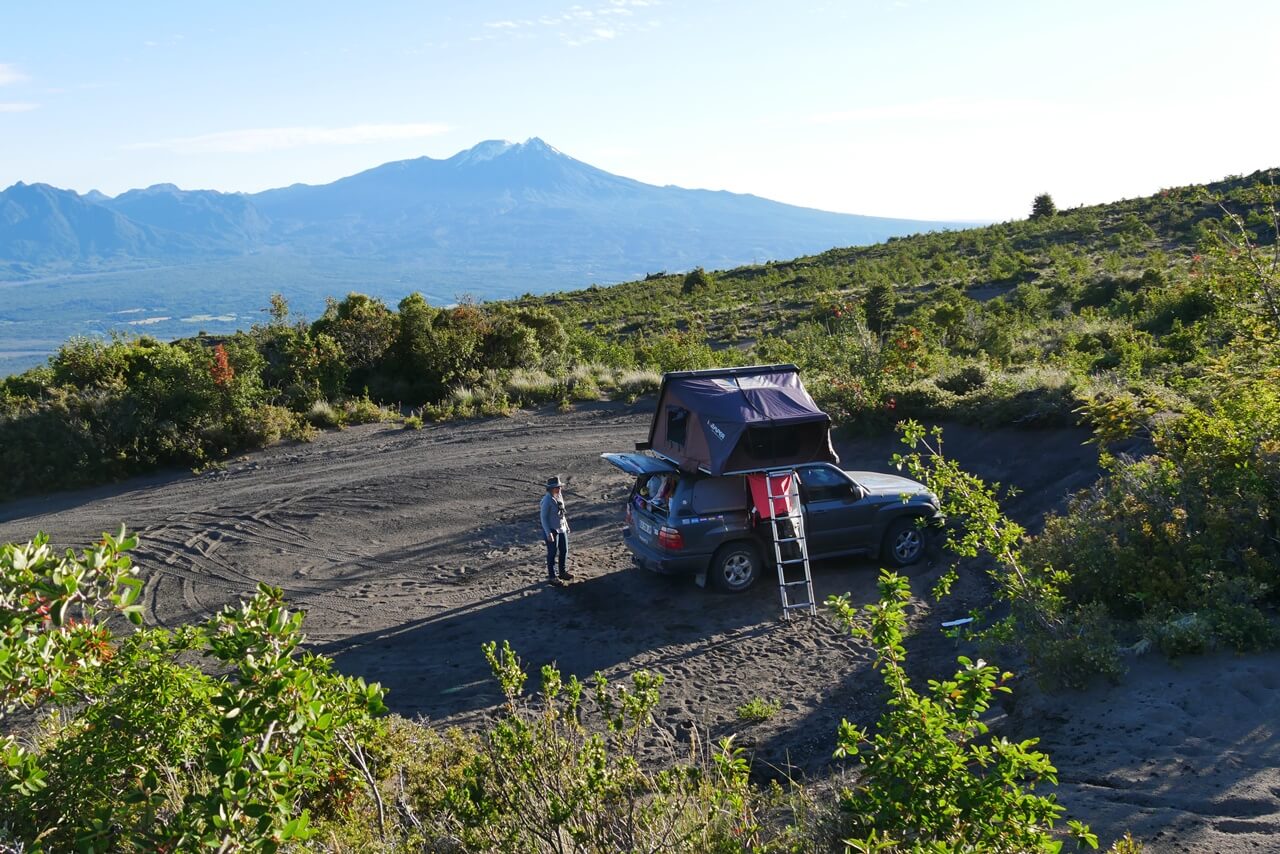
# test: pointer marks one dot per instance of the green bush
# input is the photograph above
(930, 774)
(1190, 529)
(1179, 634)
(155, 753)
(1067, 641)
(325, 415)
(757, 710)
(362, 410)
(967, 378)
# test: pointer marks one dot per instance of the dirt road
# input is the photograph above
(408, 549)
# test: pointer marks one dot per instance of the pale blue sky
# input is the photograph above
(917, 108)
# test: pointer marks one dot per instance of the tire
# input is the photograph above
(735, 567)
(904, 542)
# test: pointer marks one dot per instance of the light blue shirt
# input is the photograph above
(553, 515)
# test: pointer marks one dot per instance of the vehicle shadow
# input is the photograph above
(618, 621)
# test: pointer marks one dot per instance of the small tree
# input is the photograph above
(1043, 206)
(880, 307)
(363, 326)
(279, 310)
(696, 280)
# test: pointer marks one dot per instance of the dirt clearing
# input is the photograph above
(408, 549)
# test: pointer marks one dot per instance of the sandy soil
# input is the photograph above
(408, 549)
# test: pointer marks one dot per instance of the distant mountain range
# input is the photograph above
(495, 221)
(523, 206)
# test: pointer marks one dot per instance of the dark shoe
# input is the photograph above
(566, 576)
(555, 582)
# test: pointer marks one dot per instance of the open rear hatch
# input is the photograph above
(639, 464)
(648, 515)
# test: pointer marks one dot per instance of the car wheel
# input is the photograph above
(735, 567)
(903, 542)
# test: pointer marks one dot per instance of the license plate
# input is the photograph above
(645, 527)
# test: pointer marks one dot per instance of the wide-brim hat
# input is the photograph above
(555, 482)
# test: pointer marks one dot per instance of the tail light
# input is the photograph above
(670, 538)
(627, 519)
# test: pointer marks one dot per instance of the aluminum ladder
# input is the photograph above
(793, 534)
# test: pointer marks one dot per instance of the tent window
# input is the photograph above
(677, 425)
(766, 443)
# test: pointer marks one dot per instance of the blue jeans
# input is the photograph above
(557, 546)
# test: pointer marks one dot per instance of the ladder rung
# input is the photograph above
(790, 561)
(795, 583)
(789, 540)
(799, 605)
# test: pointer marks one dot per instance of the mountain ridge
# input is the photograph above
(517, 203)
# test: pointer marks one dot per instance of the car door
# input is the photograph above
(831, 511)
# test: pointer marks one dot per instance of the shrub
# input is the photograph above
(323, 414)
(636, 383)
(157, 754)
(880, 307)
(1187, 530)
(362, 410)
(267, 425)
(965, 379)
(1179, 634)
(929, 773)
(695, 280)
(673, 351)
(542, 780)
(757, 710)
(1034, 397)
(923, 399)
(1066, 645)
(362, 326)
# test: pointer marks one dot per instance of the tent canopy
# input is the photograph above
(738, 420)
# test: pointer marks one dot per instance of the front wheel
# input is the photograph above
(735, 567)
(903, 542)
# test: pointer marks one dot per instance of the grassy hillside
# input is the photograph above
(1020, 322)
(1119, 309)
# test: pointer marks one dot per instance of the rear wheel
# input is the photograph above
(903, 542)
(735, 567)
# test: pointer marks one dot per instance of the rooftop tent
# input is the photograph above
(738, 420)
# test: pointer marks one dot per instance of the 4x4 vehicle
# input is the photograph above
(681, 522)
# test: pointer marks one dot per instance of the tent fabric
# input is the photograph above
(739, 420)
(780, 485)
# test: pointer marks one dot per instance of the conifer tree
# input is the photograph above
(1043, 206)
(880, 307)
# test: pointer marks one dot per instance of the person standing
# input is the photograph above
(555, 529)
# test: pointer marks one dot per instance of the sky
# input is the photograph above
(927, 109)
